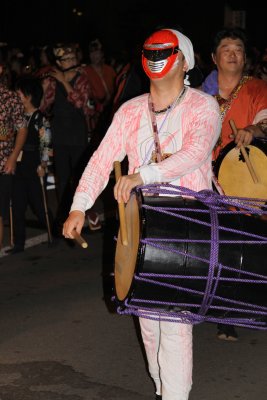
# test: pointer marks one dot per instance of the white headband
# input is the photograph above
(186, 48)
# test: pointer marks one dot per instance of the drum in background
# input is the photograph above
(233, 174)
(170, 265)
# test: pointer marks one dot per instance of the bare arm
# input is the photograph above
(12, 159)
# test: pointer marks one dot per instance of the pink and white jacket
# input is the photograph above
(187, 134)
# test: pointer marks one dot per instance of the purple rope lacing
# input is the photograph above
(217, 204)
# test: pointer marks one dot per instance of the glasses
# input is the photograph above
(68, 59)
(161, 54)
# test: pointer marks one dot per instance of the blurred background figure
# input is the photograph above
(32, 163)
(13, 132)
(67, 95)
(46, 62)
(102, 81)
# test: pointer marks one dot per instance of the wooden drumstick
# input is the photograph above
(123, 226)
(79, 239)
(245, 154)
(46, 210)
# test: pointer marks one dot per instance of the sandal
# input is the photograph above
(227, 332)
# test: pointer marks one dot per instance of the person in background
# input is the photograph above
(260, 68)
(46, 62)
(67, 94)
(32, 163)
(131, 80)
(102, 80)
(241, 98)
(13, 133)
(178, 150)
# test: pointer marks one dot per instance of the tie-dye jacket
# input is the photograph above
(187, 136)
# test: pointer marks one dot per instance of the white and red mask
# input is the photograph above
(160, 53)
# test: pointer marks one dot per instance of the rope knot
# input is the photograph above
(209, 198)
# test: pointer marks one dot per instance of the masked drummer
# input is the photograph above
(168, 136)
(242, 98)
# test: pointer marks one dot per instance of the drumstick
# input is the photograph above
(79, 239)
(245, 155)
(46, 210)
(123, 227)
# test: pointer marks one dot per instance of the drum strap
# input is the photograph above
(155, 130)
(226, 104)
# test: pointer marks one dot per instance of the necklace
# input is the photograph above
(155, 129)
(157, 132)
(163, 110)
(172, 105)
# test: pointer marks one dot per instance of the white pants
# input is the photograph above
(168, 348)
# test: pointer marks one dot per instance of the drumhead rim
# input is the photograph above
(259, 143)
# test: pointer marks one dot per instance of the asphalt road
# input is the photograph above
(61, 338)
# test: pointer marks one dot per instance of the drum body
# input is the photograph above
(233, 174)
(169, 264)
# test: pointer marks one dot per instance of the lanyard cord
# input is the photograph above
(156, 131)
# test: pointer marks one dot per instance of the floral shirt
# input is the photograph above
(41, 126)
(11, 119)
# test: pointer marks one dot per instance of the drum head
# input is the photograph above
(126, 256)
(234, 176)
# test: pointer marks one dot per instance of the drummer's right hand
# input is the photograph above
(124, 185)
(74, 221)
(243, 137)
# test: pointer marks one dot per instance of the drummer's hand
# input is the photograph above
(74, 221)
(244, 136)
(125, 184)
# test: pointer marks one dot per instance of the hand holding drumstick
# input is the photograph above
(122, 191)
(244, 154)
(73, 226)
(79, 239)
(123, 227)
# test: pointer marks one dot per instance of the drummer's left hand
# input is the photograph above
(124, 185)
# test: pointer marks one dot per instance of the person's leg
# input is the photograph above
(19, 206)
(63, 176)
(5, 193)
(1, 232)
(36, 201)
(151, 338)
(175, 360)
(79, 159)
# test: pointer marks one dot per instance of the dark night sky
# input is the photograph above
(119, 22)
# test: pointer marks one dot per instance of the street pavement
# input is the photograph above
(61, 338)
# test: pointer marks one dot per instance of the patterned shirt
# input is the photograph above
(11, 119)
(187, 135)
(41, 127)
(79, 97)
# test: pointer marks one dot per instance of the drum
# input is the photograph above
(233, 174)
(186, 255)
